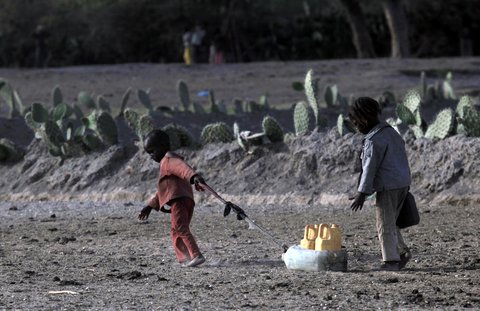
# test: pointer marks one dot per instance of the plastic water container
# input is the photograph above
(309, 237)
(329, 238)
(298, 258)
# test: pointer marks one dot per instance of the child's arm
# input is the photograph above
(373, 154)
(181, 169)
(152, 204)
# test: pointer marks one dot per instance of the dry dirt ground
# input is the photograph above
(107, 260)
(111, 261)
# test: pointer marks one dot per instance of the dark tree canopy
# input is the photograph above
(117, 31)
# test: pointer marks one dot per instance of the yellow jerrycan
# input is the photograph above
(329, 238)
(311, 233)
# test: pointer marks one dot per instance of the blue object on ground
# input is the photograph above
(202, 94)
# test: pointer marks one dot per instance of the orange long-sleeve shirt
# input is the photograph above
(174, 181)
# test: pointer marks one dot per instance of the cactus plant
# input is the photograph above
(198, 108)
(183, 94)
(442, 126)
(213, 104)
(301, 118)
(264, 102)
(216, 133)
(86, 100)
(107, 128)
(185, 139)
(412, 100)
(311, 91)
(103, 104)
(39, 113)
(344, 125)
(387, 99)
(9, 151)
(272, 129)
(125, 98)
(57, 96)
(141, 125)
(11, 97)
(423, 84)
(237, 106)
(144, 98)
(331, 94)
(405, 115)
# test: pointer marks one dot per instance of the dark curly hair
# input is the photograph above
(365, 109)
(158, 138)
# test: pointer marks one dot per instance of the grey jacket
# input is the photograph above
(384, 161)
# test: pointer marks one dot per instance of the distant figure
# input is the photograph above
(216, 55)
(197, 43)
(174, 188)
(41, 52)
(187, 47)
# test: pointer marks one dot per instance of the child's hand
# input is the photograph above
(357, 204)
(198, 181)
(144, 213)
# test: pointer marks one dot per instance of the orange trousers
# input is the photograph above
(183, 241)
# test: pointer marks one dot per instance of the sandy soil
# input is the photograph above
(72, 225)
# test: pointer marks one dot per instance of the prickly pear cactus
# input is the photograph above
(412, 100)
(183, 95)
(53, 135)
(57, 96)
(423, 84)
(9, 151)
(144, 126)
(236, 130)
(465, 101)
(173, 137)
(91, 140)
(103, 104)
(344, 125)
(39, 113)
(125, 98)
(470, 121)
(301, 118)
(59, 112)
(405, 115)
(387, 99)
(86, 100)
(264, 102)
(237, 106)
(185, 139)
(272, 129)
(11, 97)
(331, 94)
(198, 108)
(132, 118)
(213, 104)
(144, 99)
(311, 91)
(107, 128)
(216, 133)
(442, 126)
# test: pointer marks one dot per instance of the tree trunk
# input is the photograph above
(361, 38)
(397, 23)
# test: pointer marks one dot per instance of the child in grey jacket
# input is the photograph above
(385, 170)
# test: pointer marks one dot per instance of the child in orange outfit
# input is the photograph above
(174, 189)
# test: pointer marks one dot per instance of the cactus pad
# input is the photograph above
(144, 99)
(405, 114)
(301, 118)
(412, 100)
(216, 133)
(107, 128)
(442, 126)
(86, 100)
(57, 96)
(183, 95)
(272, 129)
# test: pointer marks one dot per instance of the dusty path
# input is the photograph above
(113, 262)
